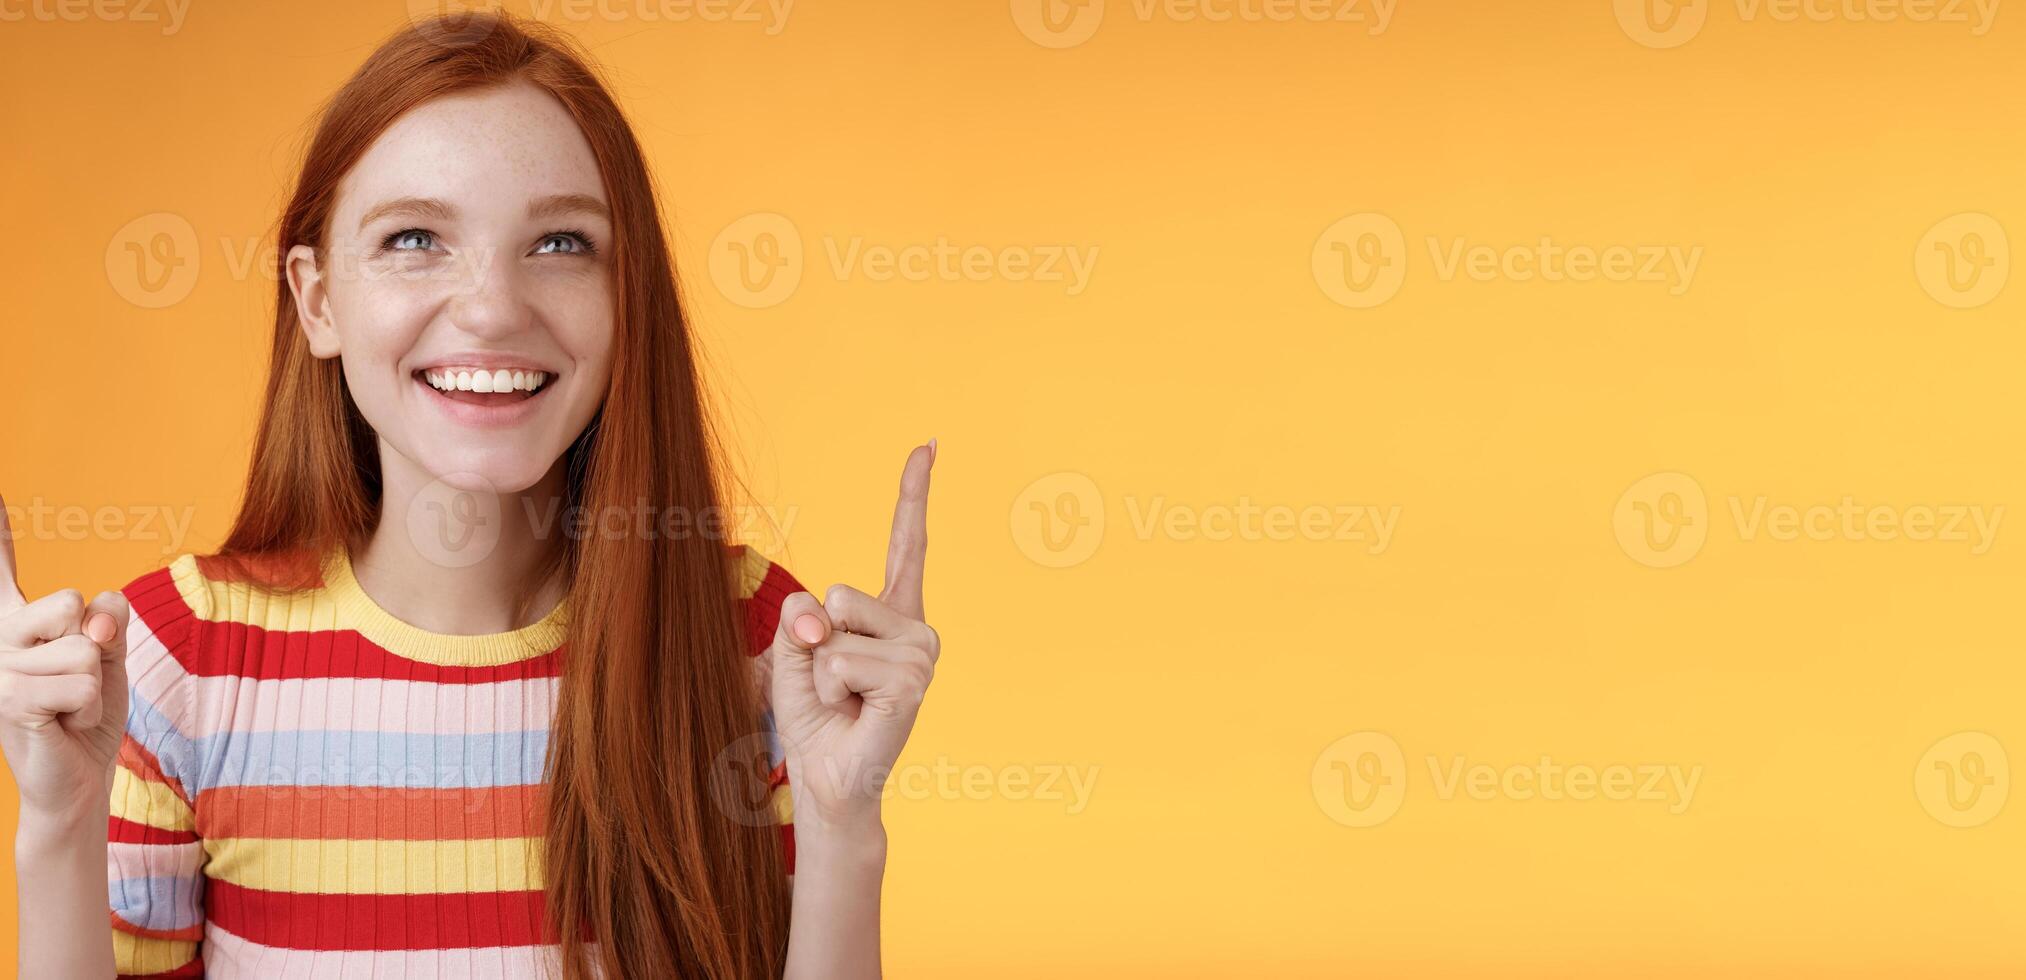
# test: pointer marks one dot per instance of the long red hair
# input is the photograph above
(637, 857)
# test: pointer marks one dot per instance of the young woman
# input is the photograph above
(346, 746)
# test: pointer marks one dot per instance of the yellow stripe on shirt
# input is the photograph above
(377, 867)
(144, 801)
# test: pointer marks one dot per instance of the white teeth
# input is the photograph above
(486, 381)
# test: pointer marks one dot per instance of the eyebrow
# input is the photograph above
(431, 208)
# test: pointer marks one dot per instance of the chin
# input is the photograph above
(504, 472)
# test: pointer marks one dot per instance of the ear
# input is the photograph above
(312, 301)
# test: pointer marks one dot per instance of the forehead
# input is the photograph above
(496, 147)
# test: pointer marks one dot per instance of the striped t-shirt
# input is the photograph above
(309, 786)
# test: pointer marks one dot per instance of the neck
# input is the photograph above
(457, 561)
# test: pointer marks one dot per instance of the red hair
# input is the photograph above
(636, 855)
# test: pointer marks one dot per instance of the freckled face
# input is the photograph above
(469, 287)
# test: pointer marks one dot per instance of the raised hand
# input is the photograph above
(63, 694)
(849, 672)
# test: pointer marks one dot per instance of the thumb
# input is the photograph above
(803, 626)
(105, 621)
(105, 624)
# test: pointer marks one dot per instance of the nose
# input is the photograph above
(488, 302)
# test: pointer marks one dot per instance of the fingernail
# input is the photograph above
(932, 448)
(808, 629)
(100, 628)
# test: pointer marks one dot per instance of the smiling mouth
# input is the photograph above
(478, 386)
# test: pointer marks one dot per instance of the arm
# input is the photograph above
(835, 930)
(60, 869)
(834, 865)
(848, 676)
(107, 858)
(63, 703)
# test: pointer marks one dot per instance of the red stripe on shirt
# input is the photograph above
(371, 813)
(218, 649)
(763, 608)
(120, 830)
(238, 650)
(224, 649)
(465, 920)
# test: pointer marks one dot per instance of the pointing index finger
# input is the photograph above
(907, 550)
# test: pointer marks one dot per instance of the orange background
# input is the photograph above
(1205, 681)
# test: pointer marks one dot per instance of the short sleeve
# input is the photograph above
(763, 585)
(155, 860)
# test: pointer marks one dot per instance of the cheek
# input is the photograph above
(377, 326)
(379, 322)
(586, 328)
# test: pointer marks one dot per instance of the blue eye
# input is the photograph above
(408, 240)
(570, 242)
